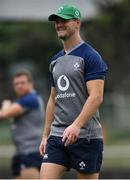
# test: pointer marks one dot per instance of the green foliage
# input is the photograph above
(26, 40)
(110, 34)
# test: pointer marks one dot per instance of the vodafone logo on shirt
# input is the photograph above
(63, 83)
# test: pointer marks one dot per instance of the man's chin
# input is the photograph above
(62, 37)
(19, 94)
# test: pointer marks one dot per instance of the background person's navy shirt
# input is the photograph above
(29, 101)
(27, 127)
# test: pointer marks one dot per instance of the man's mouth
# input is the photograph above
(60, 29)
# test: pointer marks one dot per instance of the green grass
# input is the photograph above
(120, 163)
(117, 138)
(5, 137)
(5, 168)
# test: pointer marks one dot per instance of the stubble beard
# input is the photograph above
(65, 37)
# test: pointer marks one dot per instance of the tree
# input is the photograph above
(110, 34)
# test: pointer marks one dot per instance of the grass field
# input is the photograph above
(111, 169)
(5, 137)
(116, 155)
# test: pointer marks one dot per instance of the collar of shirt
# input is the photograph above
(75, 47)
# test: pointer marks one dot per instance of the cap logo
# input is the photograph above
(77, 13)
(60, 9)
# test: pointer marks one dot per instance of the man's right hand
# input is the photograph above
(42, 146)
(6, 104)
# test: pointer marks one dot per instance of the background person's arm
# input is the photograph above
(10, 110)
(95, 90)
(49, 117)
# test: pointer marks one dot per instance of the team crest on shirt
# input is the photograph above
(76, 66)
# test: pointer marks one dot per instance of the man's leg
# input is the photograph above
(17, 177)
(87, 176)
(30, 173)
(86, 157)
(52, 171)
(55, 159)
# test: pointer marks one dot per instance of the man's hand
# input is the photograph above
(6, 104)
(42, 146)
(71, 134)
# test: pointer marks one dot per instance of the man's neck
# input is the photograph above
(71, 43)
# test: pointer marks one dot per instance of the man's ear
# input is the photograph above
(78, 22)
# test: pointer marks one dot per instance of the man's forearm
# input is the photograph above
(49, 117)
(89, 109)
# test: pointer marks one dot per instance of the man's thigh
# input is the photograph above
(52, 171)
(55, 159)
(30, 173)
(55, 152)
(86, 156)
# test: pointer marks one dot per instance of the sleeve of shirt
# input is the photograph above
(28, 102)
(95, 67)
(51, 75)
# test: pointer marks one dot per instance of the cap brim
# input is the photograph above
(53, 17)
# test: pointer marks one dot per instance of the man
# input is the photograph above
(72, 135)
(27, 112)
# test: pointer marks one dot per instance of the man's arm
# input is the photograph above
(10, 110)
(95, 91)
(49, 117)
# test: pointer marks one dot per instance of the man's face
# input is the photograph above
(66, 28)
(22, 85)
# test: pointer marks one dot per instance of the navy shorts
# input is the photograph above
(84, 155)
(22, 161)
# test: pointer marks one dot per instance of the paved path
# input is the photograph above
(110, 151)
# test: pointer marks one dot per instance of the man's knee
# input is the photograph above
(30, 173)
(51, 171)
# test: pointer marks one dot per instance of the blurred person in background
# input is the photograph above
(26, 126)
(72, 136)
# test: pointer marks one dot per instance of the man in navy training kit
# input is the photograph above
(26, 126)
(72, 136)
